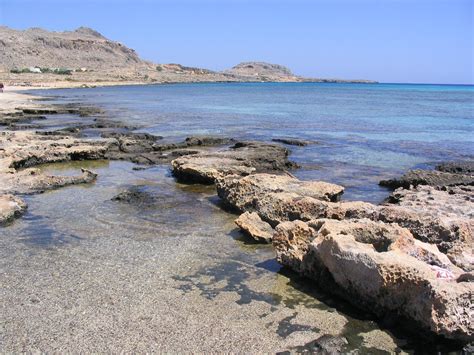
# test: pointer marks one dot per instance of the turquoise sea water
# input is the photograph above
(365, 132)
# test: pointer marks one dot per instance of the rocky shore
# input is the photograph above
(410, 258)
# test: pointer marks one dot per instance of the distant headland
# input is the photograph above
(84, 57)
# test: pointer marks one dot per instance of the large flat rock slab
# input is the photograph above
(278, 198)
(241, 159)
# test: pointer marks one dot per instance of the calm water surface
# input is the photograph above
(365, 132)
(84, 273)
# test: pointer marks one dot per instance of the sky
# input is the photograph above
(408, 41)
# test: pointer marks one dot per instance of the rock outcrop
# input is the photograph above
(457, 167)
(279, 198)
(21, 150)
(147, 149)
(242, 159)
(447, 223)
(252, 225)
(381, 267)
(441, 216)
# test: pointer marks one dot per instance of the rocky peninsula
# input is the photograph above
(410, 258)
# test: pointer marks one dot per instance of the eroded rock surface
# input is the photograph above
(381, 267)
(253, 225)
(11, 207)
(241, 159)
(278, 198)
(20, 150)
(441, 216)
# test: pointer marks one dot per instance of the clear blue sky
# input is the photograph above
(427, 41)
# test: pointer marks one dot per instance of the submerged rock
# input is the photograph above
(242, 159)
(382, 268)
(292, 141)
(136, 195)
(252, 225)
(11, 207)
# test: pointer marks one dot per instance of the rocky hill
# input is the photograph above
(82, 48)
(263, 71)
(39, 57)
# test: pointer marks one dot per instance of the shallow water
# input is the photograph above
(365, 132)
(82, 272)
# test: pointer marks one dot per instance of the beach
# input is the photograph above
(125, 256)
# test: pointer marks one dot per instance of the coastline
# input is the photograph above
(63, 147)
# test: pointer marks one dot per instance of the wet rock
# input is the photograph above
(382, 269)
(143, 148)
(242, 159)
(252, 225)
(133, 142)
(21, 150)
(207, 141)
(11, 207)
(194, 141)
(428, 177)
(292, 141)
(457, 167)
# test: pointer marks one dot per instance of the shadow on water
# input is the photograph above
(293, 291)
(39, 233)
(407, 336)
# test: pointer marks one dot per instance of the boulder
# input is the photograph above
(242, 159)
(382, 268)
(11, 207)
(252, 225)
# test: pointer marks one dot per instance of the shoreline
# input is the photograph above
(207, 167)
